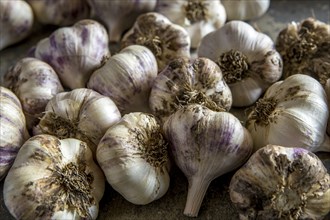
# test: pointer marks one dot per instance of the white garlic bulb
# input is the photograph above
(81, 113)
(166, 40)
(205, 145)
(75, 52)
(133, 156)
(247, 58)
(294, 113)
(35, 83)
(16, 21)
(54, 179)
(127, 78)
(281, 183)
(185, 81)
(13, 132)
(198, 17)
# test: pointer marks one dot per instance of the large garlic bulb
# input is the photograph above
(75, 52)
(54, 179)
(205, 145)
(281, 183)
(247, 58)
(198, 17)
(133, 156)
(13, 132)
(81, 113)
(35, 83)
(127, 78)
(166, 40)
(16, 21)
(294, 113)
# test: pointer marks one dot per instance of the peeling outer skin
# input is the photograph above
(281, 183)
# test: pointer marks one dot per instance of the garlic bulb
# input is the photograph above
(294, 113)
(54, 179)
(120, 15)
(127, 78)
(35, 83)
(198, 17)
(205, 145)
(166, 40)
(305, 48)
(81, 113)
(281, 183)
(185, 82)
(247, 58)
(245, 10)
(16, 21)
(75, 52)
(12, 129)
(60, 12)
(133, 156)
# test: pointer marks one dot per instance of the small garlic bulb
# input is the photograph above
(185, 82)
(35, 83)
(247, 58)
(12, 129)
(16, 21)
(81, 113)
(205, 145)
(166, 40)
(75, 52)
(281, 183)
(133, 156)
(54, 179)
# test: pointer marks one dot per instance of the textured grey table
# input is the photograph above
(216, 204)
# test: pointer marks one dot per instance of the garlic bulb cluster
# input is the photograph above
(294, 113)
(205, 145)
(185, 81)
(247, 59)
(127, 78)
(54, 179)
(198, 17)
(81, 113)
(281, 183)
(75, 52)
(12, 129)
(34, 82)
(120, 15)
(133, 156)
(16, 21)
(166, 40)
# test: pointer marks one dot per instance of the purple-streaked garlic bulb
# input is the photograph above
(281, 183)
(75, 52)
(13, 132)
(16, 21)
(34, 82)
(205, 145)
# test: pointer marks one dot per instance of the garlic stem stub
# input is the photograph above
(134, 158)
(54, 179)
(280, 182)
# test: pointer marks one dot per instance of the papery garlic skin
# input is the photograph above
(327, 91)
(127, 78)
(198, 17)
(294, 113)
(281, 183)
(247, 58)
(81, 113)
(205, 145)
(75, 52)
(35, 83)
(54, 179)
(13, 132)
(133, 156)
(16, 21)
